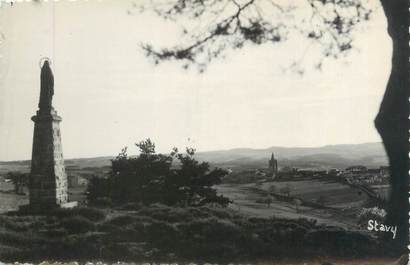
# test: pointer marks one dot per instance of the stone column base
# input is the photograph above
(69, 204)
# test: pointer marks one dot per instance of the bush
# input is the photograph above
(55, 232)
(128, 251)
(374, 213)
(162, 234)
(15, 239)
(132, 206)
(210, 230)
(150, 178)
(82, 246)
(8, 253)
(217, 212)
(98, 191)
(340, 243)
(89, 213)
(102, 202)
(122, 220)
(159, 231)
(184, 214)
(13, 224)
(92, 214)
(168, 214)
(286, 190)
(77, 224)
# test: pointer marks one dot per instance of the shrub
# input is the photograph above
(340, 243)
(322, 200)
(77, 224)
(92, 214)
(158, 231)
(211, 230)
(162, 234)
(217, 212)
(184, 214)
(165, 213)
(8, 253)
(286, 190)
(98, 191)
(13, 224)
(132, 206)
(374, 213)
(272, 189)
(122, 220)
(102, 202)
(150, 178)
(125, 234)
(55, 232)
(127, 251)
(15, 239)
(201, 212)
(89, 213)
(83, 246)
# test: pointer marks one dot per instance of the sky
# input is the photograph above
(110, 95)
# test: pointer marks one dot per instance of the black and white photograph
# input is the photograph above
(204, 132)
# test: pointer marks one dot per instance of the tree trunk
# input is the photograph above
(392, 119)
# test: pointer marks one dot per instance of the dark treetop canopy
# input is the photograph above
(47, 87)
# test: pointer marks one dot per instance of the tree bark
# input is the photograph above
(392, 120)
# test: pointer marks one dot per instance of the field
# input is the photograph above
(382, 190)
(9, 200)
(336, 194)
(341, 202)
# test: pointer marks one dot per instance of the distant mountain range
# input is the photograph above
(330, 156)
(337, 156)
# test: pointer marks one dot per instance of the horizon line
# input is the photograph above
(216, 150)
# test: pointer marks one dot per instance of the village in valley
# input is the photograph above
(334, 196)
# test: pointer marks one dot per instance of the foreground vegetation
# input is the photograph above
(163, 233)
(165, 208)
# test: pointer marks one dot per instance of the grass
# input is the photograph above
(336, 193)
(161, 233)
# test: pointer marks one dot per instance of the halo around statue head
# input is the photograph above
(42, 60)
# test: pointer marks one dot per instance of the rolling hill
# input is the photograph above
(338, 156)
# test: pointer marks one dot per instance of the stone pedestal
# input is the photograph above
(48, 179)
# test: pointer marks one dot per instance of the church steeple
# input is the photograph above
(273, 166)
